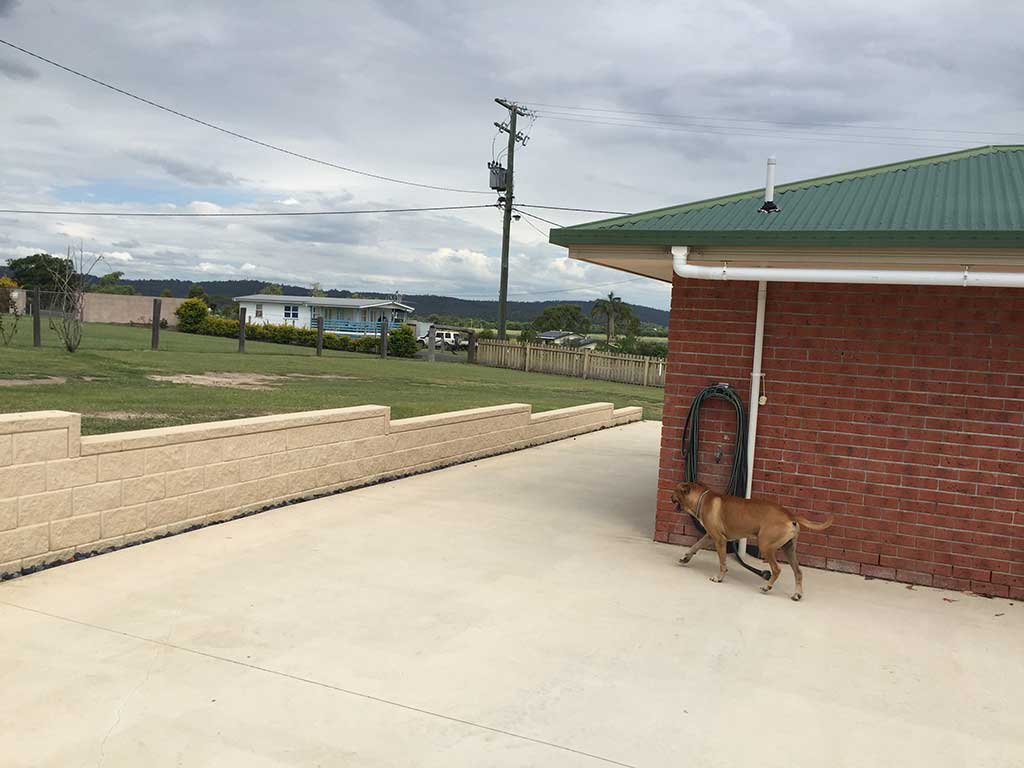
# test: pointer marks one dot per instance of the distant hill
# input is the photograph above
(425, 304)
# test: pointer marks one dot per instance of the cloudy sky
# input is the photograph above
(406, 88)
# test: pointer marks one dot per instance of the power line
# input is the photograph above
(862, 126)
(539, 218)
(577, 210)
(237, 135)
(533, 226)
(192, 215)
(775, 136)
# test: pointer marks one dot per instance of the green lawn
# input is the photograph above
(107, 380)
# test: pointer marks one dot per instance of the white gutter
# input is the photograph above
(965, 277)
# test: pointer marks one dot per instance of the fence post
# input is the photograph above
(647, 371)
(320, 336)
(37, 314)
(471, 350)
(241, 329)
(383, 338)
(431, 341)
(154, 341)
(586, 362)
(526, 358)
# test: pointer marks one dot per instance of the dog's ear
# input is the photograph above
(683, 489)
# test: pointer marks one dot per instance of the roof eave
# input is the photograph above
(945, 238)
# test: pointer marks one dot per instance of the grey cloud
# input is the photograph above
(183, 170)
(7, 7)
(16, 70)
(39, 120)
(126, 245)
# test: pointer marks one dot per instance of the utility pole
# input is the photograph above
(514, 111)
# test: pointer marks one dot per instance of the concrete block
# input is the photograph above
(207, 502)
(204, 453)
(117, 522)
(34, 421)
(166, 511)
(8, 514)
(70, 473)
(165, 459)
(100, 546)
(74, 435)
(184, 481)
(120, 465)
(30, 447)
(336, 432)
(94, 445)
(518, 411)
(255, 468)
(245, 493)
(627, 415)
(219, 475)
(138, 490)
(6, 450)
(12, 568)
(24, 542)
(20, 479)
(87, 499)
(73, 531)
(49, 558)
(44, 507)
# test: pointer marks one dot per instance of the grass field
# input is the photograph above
(108, 381)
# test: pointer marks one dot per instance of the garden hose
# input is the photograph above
(691, 445)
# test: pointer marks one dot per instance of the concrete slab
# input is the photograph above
(508, 612)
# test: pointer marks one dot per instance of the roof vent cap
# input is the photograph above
(769, 205)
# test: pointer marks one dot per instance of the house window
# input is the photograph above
(291, 311)
(259, 310)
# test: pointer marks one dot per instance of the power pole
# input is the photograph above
(514, 111)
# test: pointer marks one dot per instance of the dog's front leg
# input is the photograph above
(720, 546)
(695, 549)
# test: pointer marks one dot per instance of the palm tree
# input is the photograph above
(606, 311)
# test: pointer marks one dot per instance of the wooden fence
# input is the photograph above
(581, 363)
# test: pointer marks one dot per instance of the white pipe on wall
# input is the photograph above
(965, 277)
(755, 393)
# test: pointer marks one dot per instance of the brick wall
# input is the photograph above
(62, 495)
(899, 409)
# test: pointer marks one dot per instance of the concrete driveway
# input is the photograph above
(509, 612)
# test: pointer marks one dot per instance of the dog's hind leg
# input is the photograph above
(790, 549)
(769, 555)
(720, 546)
(695, 549)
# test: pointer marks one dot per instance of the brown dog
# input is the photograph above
(727, 518)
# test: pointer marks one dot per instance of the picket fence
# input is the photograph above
(581, 363)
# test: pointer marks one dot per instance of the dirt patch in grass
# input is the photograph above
(126, 415)
(32, 382)
(261, 381)
(250, 381)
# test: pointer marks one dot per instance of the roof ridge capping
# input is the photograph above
(817, 181)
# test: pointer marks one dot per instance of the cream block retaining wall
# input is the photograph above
(63, 495)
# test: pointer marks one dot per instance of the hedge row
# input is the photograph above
(401, 341)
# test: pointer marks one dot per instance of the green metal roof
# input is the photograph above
(974, 197)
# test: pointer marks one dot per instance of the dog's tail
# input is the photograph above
(813, 526)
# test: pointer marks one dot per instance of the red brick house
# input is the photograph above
(892, 358)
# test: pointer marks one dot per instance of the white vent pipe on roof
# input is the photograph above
(769, 189)
(965, 277)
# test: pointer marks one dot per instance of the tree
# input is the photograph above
(609, 311)
(38, 270)
(197, 291)
(271, 289)
(111, 283)
(316, 290)
(402, 342)
(191, 314)
(9, 312)
(69, 278)
(166, 294)
(562, 317)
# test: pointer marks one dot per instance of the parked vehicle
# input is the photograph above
(452, 341)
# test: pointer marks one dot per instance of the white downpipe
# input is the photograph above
(965, 277)
(755, 393)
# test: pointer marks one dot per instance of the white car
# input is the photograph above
(449, 340)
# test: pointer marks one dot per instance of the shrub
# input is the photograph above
(402, 342)
(487, 333)
(191, 313)
(370, 344)
(163, 322)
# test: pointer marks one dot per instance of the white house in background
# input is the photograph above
(349, 317)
